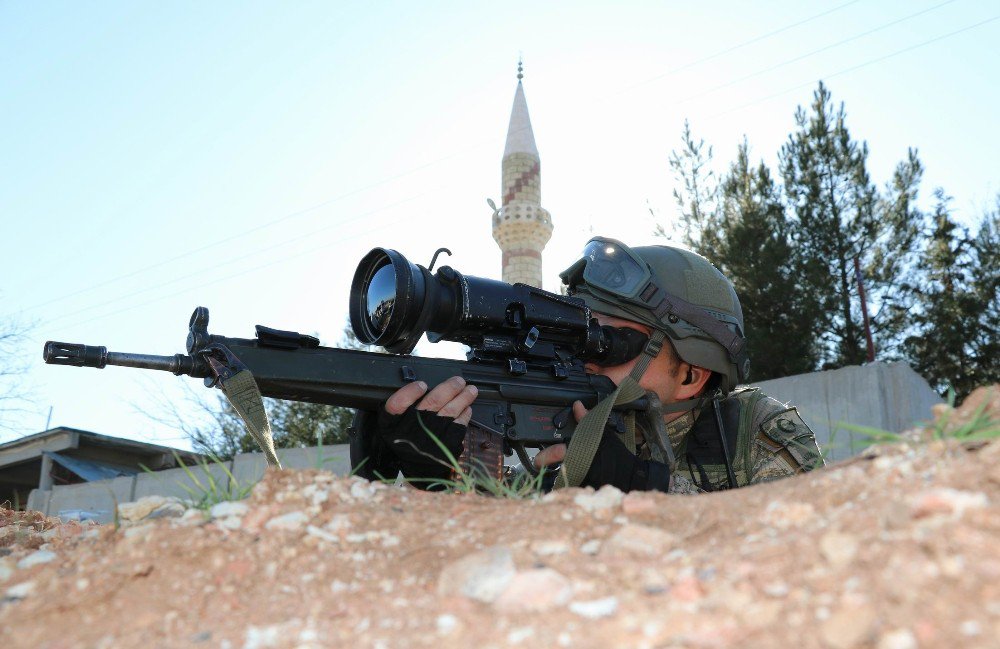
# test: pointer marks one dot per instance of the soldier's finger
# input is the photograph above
(550, 455)
(442, 394)
(579, 411)
(462, 400)
(464, 418)
(405, 397)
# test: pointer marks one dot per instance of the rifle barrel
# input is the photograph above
(77, 355)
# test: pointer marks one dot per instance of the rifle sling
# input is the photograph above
(587, 436)
(244, 395)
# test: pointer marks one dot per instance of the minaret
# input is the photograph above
(521, 227)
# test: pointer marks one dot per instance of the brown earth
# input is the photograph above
(895, 549)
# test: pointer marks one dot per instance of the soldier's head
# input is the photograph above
(677, 292)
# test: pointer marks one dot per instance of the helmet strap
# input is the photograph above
(652, 350)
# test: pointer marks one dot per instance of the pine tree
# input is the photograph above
(696, 198)
(839, 216)
(956, 342)
(751, 246)
(985, 343)
(891, 274)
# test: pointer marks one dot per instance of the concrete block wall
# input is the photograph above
(97, 500)
(887, 396)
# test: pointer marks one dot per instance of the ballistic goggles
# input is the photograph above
(610, 269)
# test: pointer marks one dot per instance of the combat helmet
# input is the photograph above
(672, 290)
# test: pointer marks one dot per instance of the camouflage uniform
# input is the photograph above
(766, 440)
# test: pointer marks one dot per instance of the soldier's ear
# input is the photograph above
(694, 382)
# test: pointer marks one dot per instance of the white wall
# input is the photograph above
(887, 396)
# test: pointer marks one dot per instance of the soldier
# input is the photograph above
(713, 434)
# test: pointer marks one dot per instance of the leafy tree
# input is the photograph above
(956, 340)
(14, 397)
(839, 216)
(294, 424)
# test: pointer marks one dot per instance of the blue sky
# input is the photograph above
(244, 156)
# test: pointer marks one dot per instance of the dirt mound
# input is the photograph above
(897, 548)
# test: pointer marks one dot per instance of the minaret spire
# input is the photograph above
(521, 227)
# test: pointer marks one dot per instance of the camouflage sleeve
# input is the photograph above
(784, 445)
(682, 485)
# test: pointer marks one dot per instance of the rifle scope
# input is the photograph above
(393, 302)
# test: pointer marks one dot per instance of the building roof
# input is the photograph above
(62, 438)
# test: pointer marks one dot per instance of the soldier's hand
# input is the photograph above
(453, 398)
(557, 452)
(613, 464)
(411, 412)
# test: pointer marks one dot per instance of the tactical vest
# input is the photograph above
(765, 439)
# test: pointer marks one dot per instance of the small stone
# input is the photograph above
(847, 627)
(520, 634)
(82, 584)
(151, 507)
(312, 530)
(591, 547)
(970, 628)
(229, 508)
(20, 591)
(260, 637)
(481, 576)
(897, 639)
(640, 540)
(337, 523)
(36, 558)
(838, 548)
(290, 522)
(7, 567)
(639, 503)
(946, 502)
(139, 532)
(446, 623)
(191, 518)
(549, 548)
(686, 589)
(607, 497)
(595, 608)
(776, 589)
(535, 591)
(362, 490)
(316, 494)
(230, 522)
(784, 515)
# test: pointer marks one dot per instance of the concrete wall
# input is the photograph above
(97, 500)
(887, 396)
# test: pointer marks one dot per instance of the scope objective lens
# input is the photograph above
(381, 297)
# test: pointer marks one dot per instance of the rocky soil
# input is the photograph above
(897, 548)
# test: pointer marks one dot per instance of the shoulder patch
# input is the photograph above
(784, 433)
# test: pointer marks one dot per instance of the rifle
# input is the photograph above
(527, 349)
